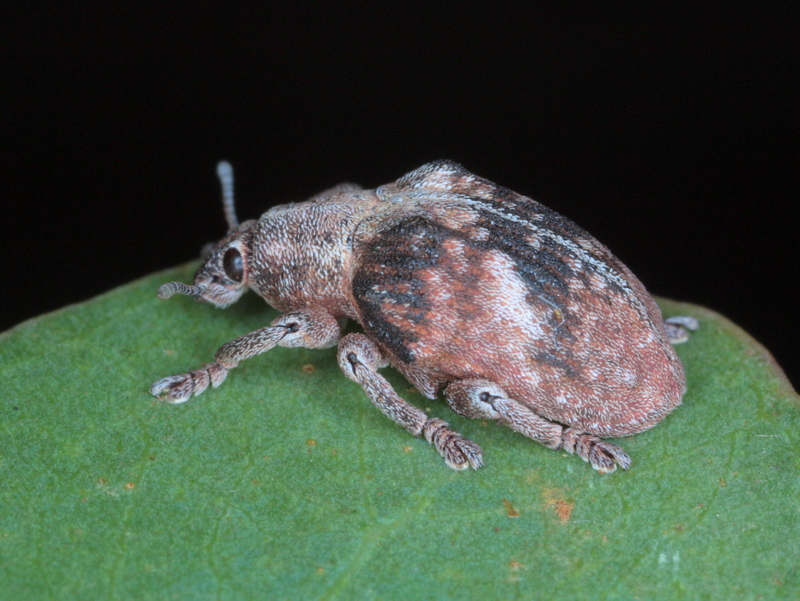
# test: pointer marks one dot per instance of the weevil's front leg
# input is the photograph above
(360, 359)
(308, 328)
(484, 399)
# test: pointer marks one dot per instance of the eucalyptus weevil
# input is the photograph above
(456, 281)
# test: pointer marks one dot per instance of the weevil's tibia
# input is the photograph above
(360, 359)
(486, 400)
(308, 328)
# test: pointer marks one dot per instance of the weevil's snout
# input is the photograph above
(211, 286)
(222, 278)
(220, 287)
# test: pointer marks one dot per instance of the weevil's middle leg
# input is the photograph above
(360, 359)
(484, 399)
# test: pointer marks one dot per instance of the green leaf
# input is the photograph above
(285, 483)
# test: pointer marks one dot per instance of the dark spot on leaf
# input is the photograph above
(511, 511)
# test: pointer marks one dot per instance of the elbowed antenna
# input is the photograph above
(225, 174)
(167, 290)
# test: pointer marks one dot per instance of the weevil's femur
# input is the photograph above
(167, 290)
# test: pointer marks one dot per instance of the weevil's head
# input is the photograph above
(223, 276)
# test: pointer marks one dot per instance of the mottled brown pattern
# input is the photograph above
(576, 345)
(454, 279)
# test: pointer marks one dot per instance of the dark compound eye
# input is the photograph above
(233, 265)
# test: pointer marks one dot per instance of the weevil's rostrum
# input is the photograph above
(518, 314)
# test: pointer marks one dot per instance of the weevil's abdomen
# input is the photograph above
(475, 281)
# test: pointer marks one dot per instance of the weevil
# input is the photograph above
(457, 282)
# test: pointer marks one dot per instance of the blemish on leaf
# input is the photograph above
(309, 368)
(514, 567)
(723, 482)
(129, 486)
(511, 511)
(311, 442)
(407, 449)
(564, 510)
(562, 507)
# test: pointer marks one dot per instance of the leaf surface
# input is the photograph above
(285, 483)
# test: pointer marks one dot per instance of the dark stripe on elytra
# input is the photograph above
(552, 360)
(399, 253)
(542, 269)
(396, 257)
(542, 217)
(372, 307)
(545, 218)
(535, 213)
(544, 273)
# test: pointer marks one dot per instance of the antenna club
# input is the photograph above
(167, 290)
(224, 171)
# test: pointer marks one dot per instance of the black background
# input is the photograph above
(670, 134)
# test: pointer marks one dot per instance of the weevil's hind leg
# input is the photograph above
(679, 328)
(484, 399)
(360, 359)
